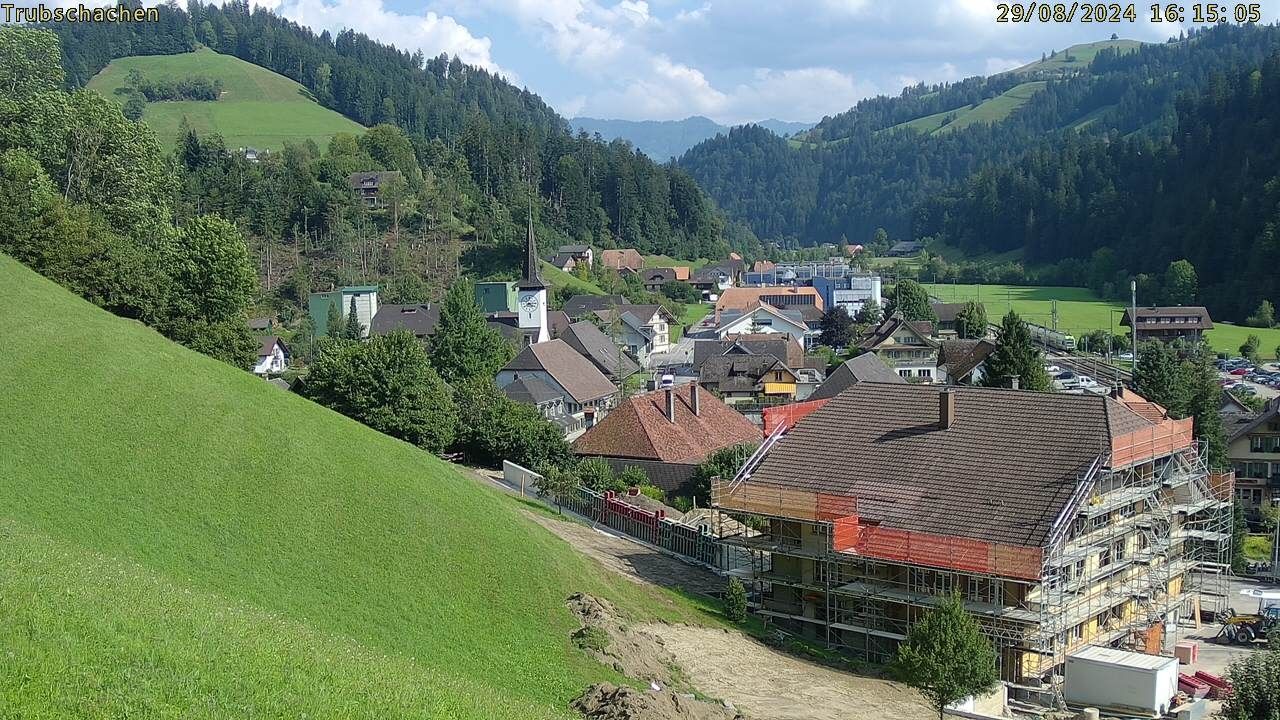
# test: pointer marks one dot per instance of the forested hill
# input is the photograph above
(877, 164)
(1100, 210)
(487, 141)
(663, 140)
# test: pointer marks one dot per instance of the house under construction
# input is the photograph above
(1061, 520)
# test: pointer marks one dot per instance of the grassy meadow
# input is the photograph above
(1080, 310)
(180, 538)
(258, 108)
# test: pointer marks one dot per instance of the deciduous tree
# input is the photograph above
(837, 327)
(912, 300)
(946, 657)
(971, 321)
(464, 346)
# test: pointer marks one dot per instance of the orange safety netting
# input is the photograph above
(787, 416)
(940, 551)
(1167, 437)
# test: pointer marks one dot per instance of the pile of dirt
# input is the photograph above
(607, 637)
(607, 701)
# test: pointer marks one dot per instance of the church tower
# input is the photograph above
(531, 296)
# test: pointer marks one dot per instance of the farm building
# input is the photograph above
(1170, 323)
(1062, 520)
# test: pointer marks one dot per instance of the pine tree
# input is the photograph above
(1156, 377)
(1204, 396)
(912, 300)
(1016, 356)
(1250, 348)
(464, 346)
(735, 601)
(352, 330)
(946, 657)
(333, 322)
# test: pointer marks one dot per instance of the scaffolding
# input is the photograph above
(1144, 538)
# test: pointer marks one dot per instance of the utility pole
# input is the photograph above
(1133, 320)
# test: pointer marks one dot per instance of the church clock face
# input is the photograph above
(530, 303)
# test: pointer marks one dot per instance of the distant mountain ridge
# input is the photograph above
(666, 139)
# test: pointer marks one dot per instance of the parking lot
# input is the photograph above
(1244, 378)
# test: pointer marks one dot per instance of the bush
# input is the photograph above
(634, 477)
(653, 492)
(591, 638)
(735, 601)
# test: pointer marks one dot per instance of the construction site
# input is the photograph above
(1061, 521)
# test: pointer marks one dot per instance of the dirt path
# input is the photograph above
(631, 559)
(766, 683)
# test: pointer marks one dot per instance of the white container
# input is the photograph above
(1110, 678)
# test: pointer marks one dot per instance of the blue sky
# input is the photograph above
(731, 60)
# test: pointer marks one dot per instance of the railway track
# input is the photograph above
(1095, 368)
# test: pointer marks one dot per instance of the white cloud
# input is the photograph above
(430, 32)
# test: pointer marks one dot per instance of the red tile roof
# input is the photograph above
(639, 429)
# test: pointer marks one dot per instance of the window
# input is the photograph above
(1118, 549)
(926, 373)
(905, 373)
(1098, 522)
(1104, 557)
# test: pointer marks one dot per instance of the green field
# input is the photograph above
(1081, 55)
(557, 278)
(181, 539)
(1081, 310)
(995, 109)
(258, 108)
(1257, 547)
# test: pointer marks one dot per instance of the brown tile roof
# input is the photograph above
(779, 345)
(624, 258)
(960, 357)
(582, 380)
(738, 372)
(1003, 472)
(639, 429)
(890, 325)
(947, 312)
(745, 298)
(1149, 318)
(594, 345)
(867, 367)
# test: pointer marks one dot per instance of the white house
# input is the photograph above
(762, 319)
(562, 379)
(273, 357)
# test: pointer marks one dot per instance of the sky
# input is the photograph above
(733, 61)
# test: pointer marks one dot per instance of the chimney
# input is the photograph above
(671, 405)
(1117, 391)
(1013, 381)
(693, 397)
(946, 408)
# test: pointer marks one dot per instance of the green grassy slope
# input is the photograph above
(1081, 55)
(258, 108)
(178, 537)
(995, 109)
(557, 278)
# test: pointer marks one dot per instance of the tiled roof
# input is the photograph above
(268, 344)
(582, 380)
(575, 249)
(960, 357)
(579, 306)
(744, 298)
(867, 367)
(947, 312)
(418, 318)
(594, 345)
(638, 428)
(624, 258)
(779, 345)
(557, 322)
(530, 391)
(715, 370)
(1003, 471)
(891, 324)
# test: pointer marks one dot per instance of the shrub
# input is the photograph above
(591, 638)
(652, 491)
(635, 477)
(735, 601)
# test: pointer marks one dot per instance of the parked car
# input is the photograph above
(1239, 371)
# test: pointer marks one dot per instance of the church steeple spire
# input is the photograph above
(532, 279)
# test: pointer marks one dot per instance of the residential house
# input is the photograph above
(654, 278)
(763, 266)
(624, 259)
(1060, 521)
(711, 281)
(666, 433)
(907, 347)
(777, 345)
(1253, 447)
(496, 297)
(368, 186)
(905, 248)
(273, 357)
(947, 312)
(590, 342)
(579, 253)
(564, 261)
(750, 379)
(551, 402)
(641, 329)
(761, 320)
(783, 298)
(586, 394)
(366, 301)
(867, 367)
(963, 362)
(1170, 323)
(735, 265)
(417, 318)
(264, 324)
